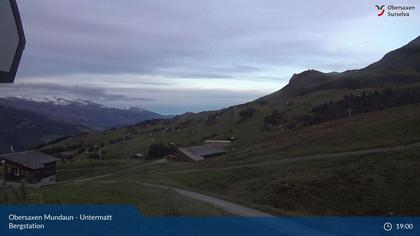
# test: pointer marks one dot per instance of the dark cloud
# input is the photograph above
(165, 37)
(38, 90)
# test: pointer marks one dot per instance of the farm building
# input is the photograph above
(33, 166)
(197, 153)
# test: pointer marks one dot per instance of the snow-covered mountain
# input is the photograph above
(80, 112)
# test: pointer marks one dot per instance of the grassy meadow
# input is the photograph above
(266, 168)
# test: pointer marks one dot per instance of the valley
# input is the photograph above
(27, 123)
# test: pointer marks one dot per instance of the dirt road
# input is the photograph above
(229, 207)
(284, 226)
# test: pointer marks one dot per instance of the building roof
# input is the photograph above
(31, 159)
(191, 155)
(197, 153)
(209, 141)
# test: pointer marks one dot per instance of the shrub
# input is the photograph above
(246, 114)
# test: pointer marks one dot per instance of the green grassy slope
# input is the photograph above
(374, 184)
(151, 201)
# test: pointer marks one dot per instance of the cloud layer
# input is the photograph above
(174, 46)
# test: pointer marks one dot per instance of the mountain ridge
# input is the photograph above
(386, 70)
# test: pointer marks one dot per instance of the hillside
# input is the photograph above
(315, 147)
(397, 67)
(24, 129)
(284, 112)
(85, 113)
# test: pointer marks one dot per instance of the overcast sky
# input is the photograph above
(193, 55)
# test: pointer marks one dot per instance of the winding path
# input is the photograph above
(229, 207)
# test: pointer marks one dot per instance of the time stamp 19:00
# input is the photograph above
(399, 226)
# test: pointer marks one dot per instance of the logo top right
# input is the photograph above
(395, 10)
(380, 9)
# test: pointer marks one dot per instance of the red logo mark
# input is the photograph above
(380, 9)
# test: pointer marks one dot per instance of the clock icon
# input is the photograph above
(387, 226)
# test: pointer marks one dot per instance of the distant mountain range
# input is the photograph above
(26, 122)
(82, 112)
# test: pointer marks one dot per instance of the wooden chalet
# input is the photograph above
(35, 167)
